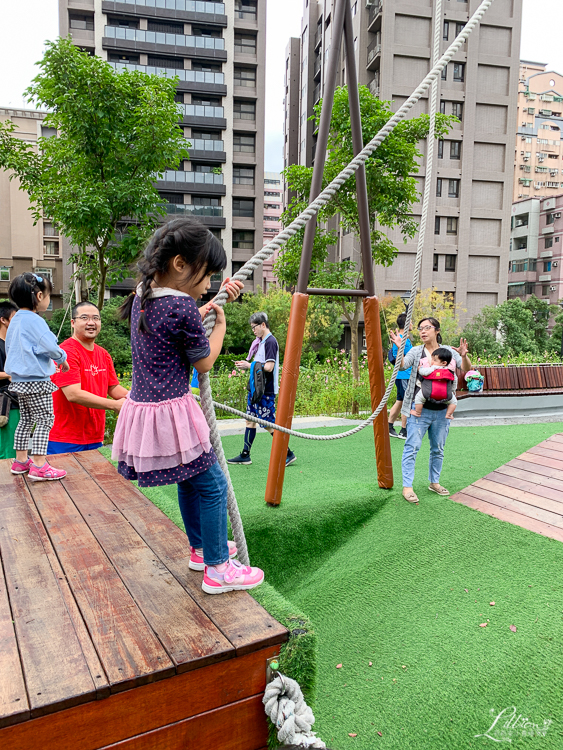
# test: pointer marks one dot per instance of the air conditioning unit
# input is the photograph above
(552, 288)
(557, 215)
(555, 264)
(526, 158)
(523, 138)
(520, 195)
(541, 161)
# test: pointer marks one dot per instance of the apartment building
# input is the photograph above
(538, 169)
(273, 197)
(217, 50)
(25, 246)
(466, 256)
(536, 249)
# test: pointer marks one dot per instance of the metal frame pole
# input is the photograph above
(298, 314)
(384, 461)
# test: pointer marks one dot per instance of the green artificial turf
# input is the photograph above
(406, 587)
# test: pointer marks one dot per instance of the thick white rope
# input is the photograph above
(286, 708)
(309, 213)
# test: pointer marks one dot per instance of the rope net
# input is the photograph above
(207, 403)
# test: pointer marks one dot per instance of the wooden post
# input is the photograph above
(377, 389)
(288, 391)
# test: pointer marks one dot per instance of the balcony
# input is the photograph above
(374, 53)
(317, 67)
(374, 87)
(202, 110)
(204, 144)
(159, 37)
(211, 216)
(190, 76)
(198, 178)
(374, 14)
(193, 6)
(317, 94)
(318, 37)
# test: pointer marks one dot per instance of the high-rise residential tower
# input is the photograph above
(538, 169)
(467, 245)
(217, 50)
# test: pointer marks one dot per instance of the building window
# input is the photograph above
(459, 72)
(124, 58)
(243, 240)
(244, 143)
(446, 32)
(205, 168)
(206, 67)
(205, 200)
(436, 225)
(176, 198)
(167, 27)
(243, 207)
(243, 110)
(453, 188)
(444, 73)
(455, 149)
(205, 101)
(243, 175)
(439, 187)
(546, 266)
(435, 262)
(549, 219)
(201, 135)
(124, 23)
(245, 77)
(176, 63)
(440, 149)
(451, 262)
(442, 107)
(51, 247)
(457, 110)
(459, 27)
(245, 44)
(548, 242)
(48, 272)
(81, 21)
(452, 225)
(246, 9)
(4, 273)
(270, 194)
(49, 229)
(545, 290)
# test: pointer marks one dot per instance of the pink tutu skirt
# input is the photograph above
(150, 436)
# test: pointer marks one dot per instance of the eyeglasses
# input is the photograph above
(254, 325)
(425, 328)
(86, 318)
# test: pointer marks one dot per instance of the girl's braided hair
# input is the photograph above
(24, 288)
(200, 250)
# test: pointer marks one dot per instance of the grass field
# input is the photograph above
(406, 588)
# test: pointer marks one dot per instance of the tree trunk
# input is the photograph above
(103, 271)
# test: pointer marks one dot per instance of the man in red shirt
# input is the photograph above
(82, 398)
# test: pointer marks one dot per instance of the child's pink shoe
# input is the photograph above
(196, 562)
(19, 468)
(235, 577)
(45, 473)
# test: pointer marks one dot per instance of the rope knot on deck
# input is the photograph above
(292, 717)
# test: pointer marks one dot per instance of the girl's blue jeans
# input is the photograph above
(437, 426)
(203, 505)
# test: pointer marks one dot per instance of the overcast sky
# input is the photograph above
(542, 30)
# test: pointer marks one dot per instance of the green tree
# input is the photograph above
(322, 332)
(428, 303)
(513, 327)
(391, 193)
(115, 132)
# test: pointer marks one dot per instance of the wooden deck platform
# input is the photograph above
(106, 638)
(527, 491)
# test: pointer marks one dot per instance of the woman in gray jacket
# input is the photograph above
(433, 419)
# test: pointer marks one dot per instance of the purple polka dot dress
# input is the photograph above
(161, 435)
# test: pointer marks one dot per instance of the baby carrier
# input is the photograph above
(437, 388)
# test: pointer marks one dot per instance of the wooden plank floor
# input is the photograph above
(527, 491)
(104, 627)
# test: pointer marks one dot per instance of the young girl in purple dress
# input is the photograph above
(161, 435)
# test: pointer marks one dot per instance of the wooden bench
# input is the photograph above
(106, 638)
(517, 380)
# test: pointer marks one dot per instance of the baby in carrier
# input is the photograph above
(436, 383)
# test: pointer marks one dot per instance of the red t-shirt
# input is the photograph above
(95, 373)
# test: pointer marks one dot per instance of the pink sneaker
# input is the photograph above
(196, 562)
(45, 473)
(19, 468)
(235, 577)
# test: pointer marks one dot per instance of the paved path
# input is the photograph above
(527, 491)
